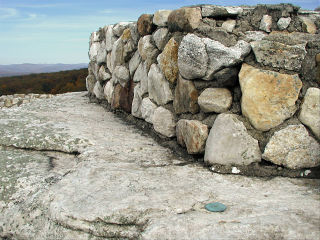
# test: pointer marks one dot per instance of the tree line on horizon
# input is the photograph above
(49, 83)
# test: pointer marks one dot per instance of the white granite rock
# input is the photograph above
(292, 147)
(102, 54)
(266, 23)
(229, 143)
(164, 122)
(136, 102)
(215, 100)
(134, 63)
(147, 109)
(103, 74)
(108, 91)
(161, 37)
(158, 87)
(283, 23)
(90, 83)
(147, 50)
(310, 110)
(110, 37)
(98, 90)
(229, 25)
(122, 75)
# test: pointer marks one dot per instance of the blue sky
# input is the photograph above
(57, 31)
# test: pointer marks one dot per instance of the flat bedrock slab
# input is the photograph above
(125, 185)
(230, 144)
(292, 147)
(268, 97)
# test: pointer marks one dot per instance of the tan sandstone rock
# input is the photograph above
(192, 134)
(268, 98)
(215, 100)
(169, 60)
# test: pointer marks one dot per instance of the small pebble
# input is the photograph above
(215, 207)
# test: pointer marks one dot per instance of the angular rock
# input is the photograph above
(101, 54)
(134, 32)
(147, 50)
(110, 37)
(222, 57)
(98, 90)
(147, 109)
(185, 97)
(192, 134)
(145, 24)
(203, 57)
(220, 11)
(123, 97)
(229, 25)
(184, 19)
(229, 143)
(279, 55)
(283, 23)
(158, 87)
(308, 25)
(161, 37)
(215, 100)
(108, 91)
(268, 98)
(93, 51)
(134, 63)
(292, 147)
(266, 23)
(122, 75)
(164, 122)
(103, 74)
(90, 83)
(94, 37)
(192, 57)
(160, 17)
(310, 110)
(168, 61)
(120, 27)
(136, 102)
(141, 76)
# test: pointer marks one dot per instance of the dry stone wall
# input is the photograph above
(237, 85)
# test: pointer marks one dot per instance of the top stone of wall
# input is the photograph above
(230, 83)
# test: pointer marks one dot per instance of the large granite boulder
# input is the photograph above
(292, 147)
(184, 19)
(310, 110)
(168, 61)
(215, 100)
(185, 97)
(160, 17)
(268, 98)
(158, 87)
(164, 122)
(203, 57)
(192, 134)
(230, 144)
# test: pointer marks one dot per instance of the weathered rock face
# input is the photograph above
(160, 17)
(279, 55)
(185, 97)
(147, 109)
(121, 75)
(266, 23)
(158, 86)
(108, 91)
(215, 100)
(134, 63)
(184, 19)
(141, 76)
(229, 25)
(161, 37)
(136, 102)
(145, 24)
(168, 61)
(90, 82)
(98, 90)
(164, 122)
(308, 25)
(192, 134)
(103, 74)
(292, 147)
(123, 97)
(220, 12)
(230, 144)
(119, 28)
(268, 98)
(283, 23)
(110, 37)
(202, 57)
(147, 50)
(310, 110)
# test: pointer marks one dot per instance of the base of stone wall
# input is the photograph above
(263, 169)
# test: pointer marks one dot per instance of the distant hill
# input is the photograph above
(55, 82)
(28, 68)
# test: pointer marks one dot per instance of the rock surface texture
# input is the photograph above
(123, 185)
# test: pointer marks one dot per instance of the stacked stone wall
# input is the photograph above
(237, 85)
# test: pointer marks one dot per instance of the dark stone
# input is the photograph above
(184, 19)
(186, 97)
(145, 24)
(123, 97)
(217, 34)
